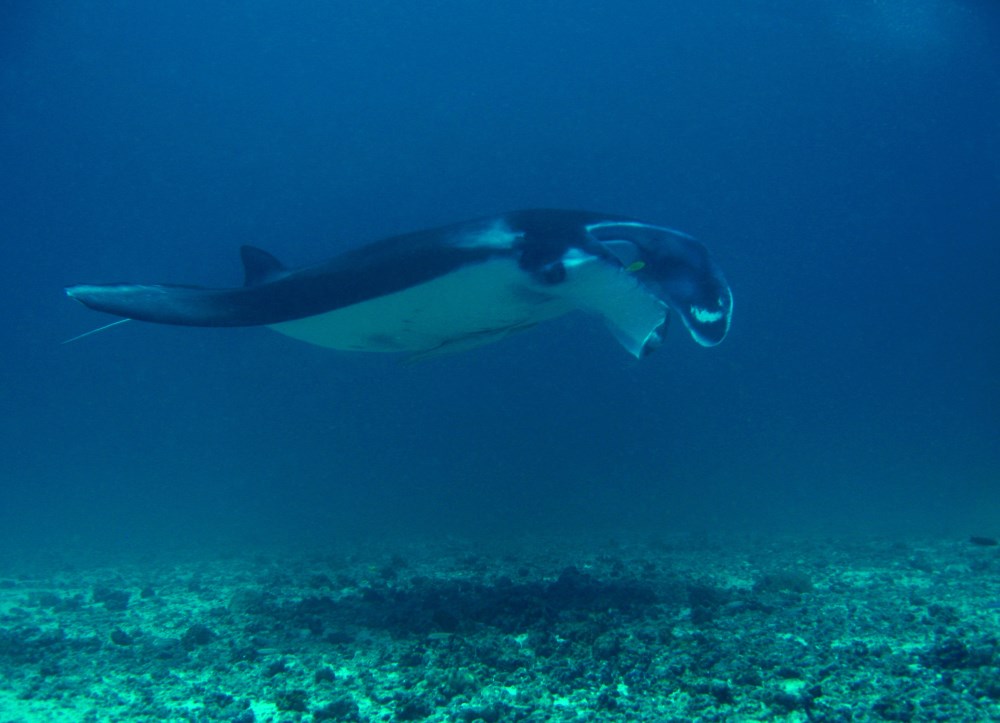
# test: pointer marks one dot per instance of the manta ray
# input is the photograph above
(460, 286)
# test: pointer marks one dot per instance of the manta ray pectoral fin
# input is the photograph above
(468, 341)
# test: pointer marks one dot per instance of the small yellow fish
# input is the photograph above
(635, 266)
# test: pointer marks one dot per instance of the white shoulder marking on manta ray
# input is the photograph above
(636, 224)
(497, 236)
(576, 257)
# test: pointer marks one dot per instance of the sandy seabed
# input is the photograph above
(685, 628)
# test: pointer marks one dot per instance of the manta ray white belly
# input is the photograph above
(480, 304)
(466, 308)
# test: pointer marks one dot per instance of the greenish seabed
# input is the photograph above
(671, 629)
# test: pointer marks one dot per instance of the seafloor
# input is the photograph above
(693, 628)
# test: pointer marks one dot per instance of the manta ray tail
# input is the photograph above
(95, 331)
(192, 305)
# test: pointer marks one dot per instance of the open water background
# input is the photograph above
(841, 160)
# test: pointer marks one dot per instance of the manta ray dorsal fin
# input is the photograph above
(259, 266)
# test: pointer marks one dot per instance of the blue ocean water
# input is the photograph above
(841, 160)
